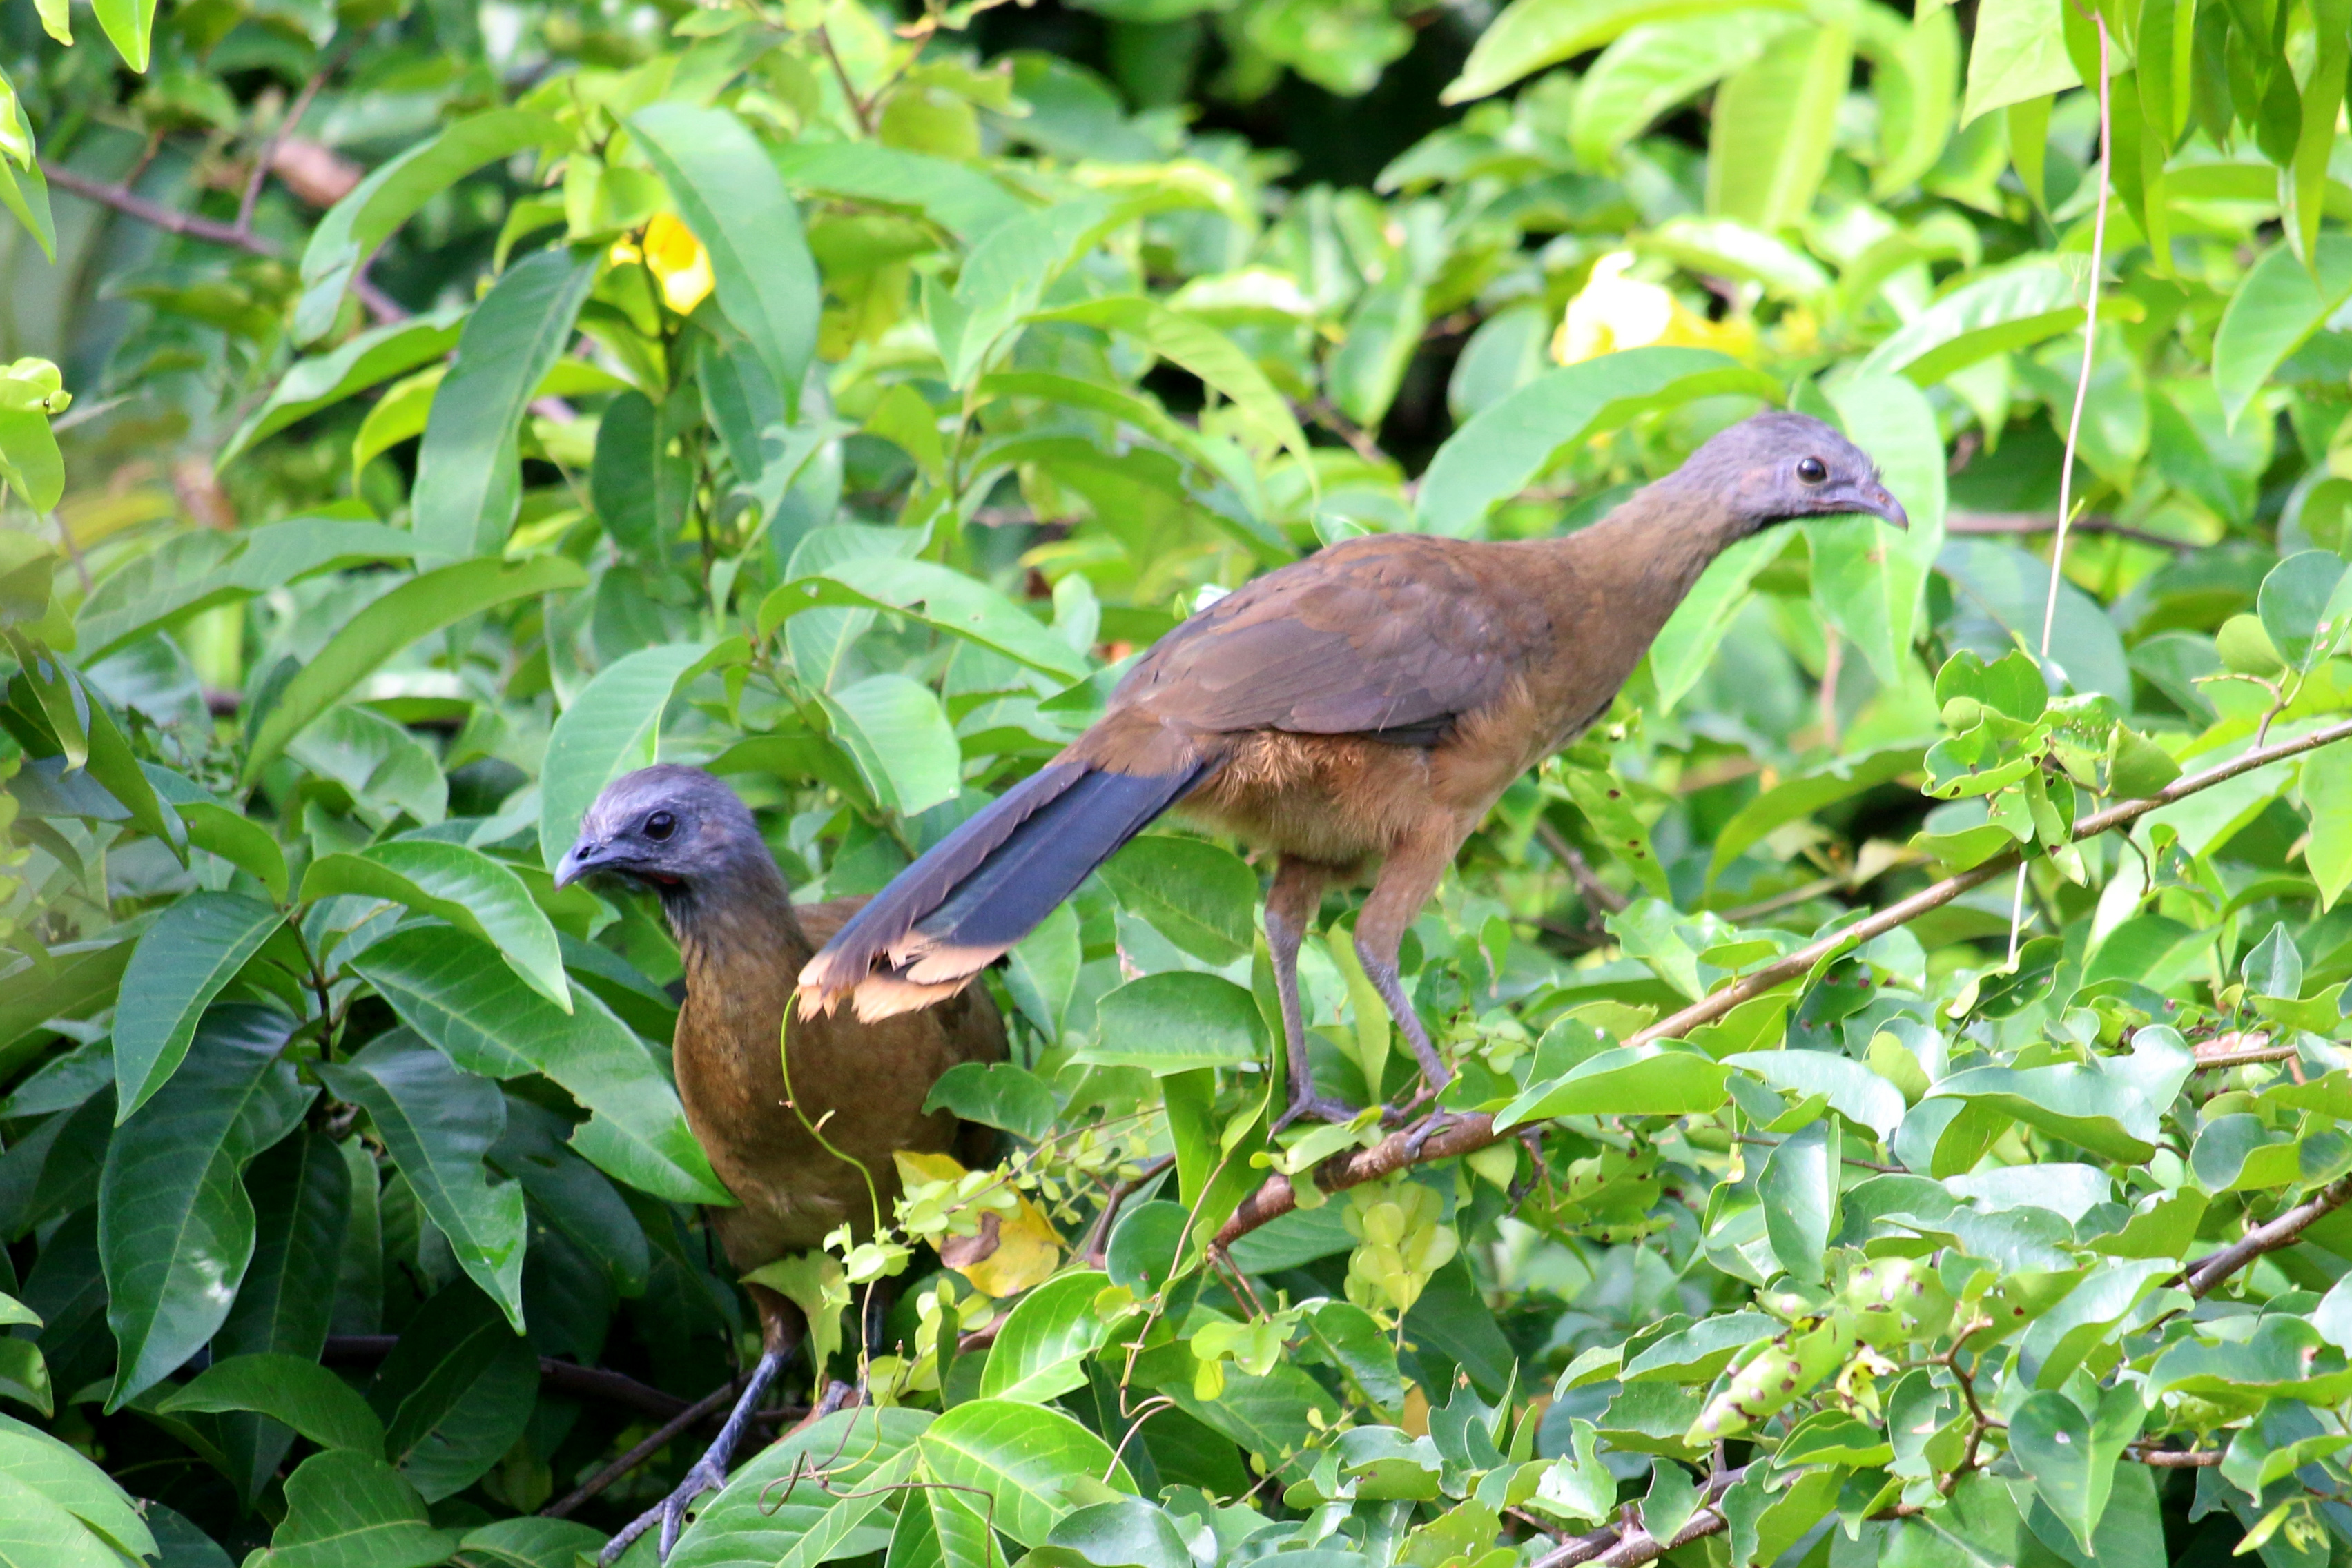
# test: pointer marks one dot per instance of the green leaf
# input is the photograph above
(1916, 72)
(2011, 589)
(929, 595)
(456, 1392)
(1799, 1187)
(1795, 799)
(463, 887)
(1769, 145)
(2280, 304)
(389, 196)
(1176, 1022)
(997, 1094)
(1199, 897)
(1854, 1090)
(1685, 644)
(289, 1388)
(202, 569)
(2327, 788)
(1867, 575)
(185, 960)
(1506, 444)
(898, 735)
(1040, 1352)
(456, 993)
(325, 380)
(2019, 53)
(1267, 1416)
(938, 1527)
(1991, 313)
(731, 196)
(530, 1543)
(1664, 1079)
(612, 727)
(438, 1123)
(30, 464)
(346, 1509)
(1651, 68)
(1009, 271)
(469, 482)
(1532, 33)
(415, 608)
(59, 1511)
(2051, 1439)
(1024, 1457)
(2303, 607)
(765, 1513)
(238, 839)
(1190, 344)
(174, 1226)
(128, 24)
(2068, 1101)
(25, 1376)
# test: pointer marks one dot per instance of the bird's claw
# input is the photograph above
(1435, 1123)
(669, 1513)
(1321, 1107)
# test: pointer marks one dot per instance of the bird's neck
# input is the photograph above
(1648, 552)
(736, 930)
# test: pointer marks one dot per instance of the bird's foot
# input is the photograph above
(1321, 1107)
(1436, 1122)
(706, 1476)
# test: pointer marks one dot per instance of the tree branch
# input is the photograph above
(130, 203)
(2009, 523)
(1476, 1130)
(267, 157)
(2201, 1276)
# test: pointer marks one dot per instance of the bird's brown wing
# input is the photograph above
(1394, 635)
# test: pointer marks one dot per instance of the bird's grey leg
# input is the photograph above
(782, 1328)
(1408, 877)
(1290, 905)
(880, 1297)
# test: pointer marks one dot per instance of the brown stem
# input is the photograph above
(563, 1376)
(1476, 1130)
(131, 203)
(718, 1399)
(2007, 522)
(1098, 1243)
(2201, 1276)
(840, 74)
(285, 128)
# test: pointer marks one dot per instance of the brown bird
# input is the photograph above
(1366, 706)
(684, 834)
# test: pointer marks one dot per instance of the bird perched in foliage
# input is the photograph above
(1363, 708)
(857, 1087)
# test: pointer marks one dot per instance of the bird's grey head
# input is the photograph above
(1779, 467)
(675, 829)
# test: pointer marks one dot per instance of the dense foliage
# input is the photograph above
(419, 414)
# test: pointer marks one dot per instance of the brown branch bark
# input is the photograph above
(1476, 1130)
(267, 158)
(131, 203)
(2202, 1275)
(710, 1403)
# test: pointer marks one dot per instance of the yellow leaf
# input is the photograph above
(1008, 1256)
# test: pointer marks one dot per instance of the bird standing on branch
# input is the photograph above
(801, 1160)
(1366, 706)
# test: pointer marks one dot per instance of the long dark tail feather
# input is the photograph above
(986, 885)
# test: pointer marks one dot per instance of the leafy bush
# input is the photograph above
(460, 406)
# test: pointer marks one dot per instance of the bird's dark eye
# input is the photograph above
(1812, 470)
(660, 825)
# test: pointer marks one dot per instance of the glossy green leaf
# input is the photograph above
(1186, 341)
(468, 485)
(1199, 897)
(764, 1515)
(392, 193)
(2019, 53)
(1799, 1187)
(1669, 1080)
(2279, 305)
(1650, 68)
(175, 1227)
(898, 735)
(463, 887)
(325, 380)
(438, 1123)
(1040, 1351)
(1686, 645)
(415, 608)
(290, 1388)
(928, 595)
(183, 961)
(455, 991)
(2011, 589)
(1022, 1456)
(59, 1511)
(1176, 1022)
(1769, 145)
(348, 1510)
(731, 196)
(202, 570)
(530, 1543)
(1532, 33)
(456, 1392)
(1854, 1090)
(1508, 444)
(2068, 1101)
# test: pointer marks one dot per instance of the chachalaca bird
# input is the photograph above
(861, 1083)
(1365, 706)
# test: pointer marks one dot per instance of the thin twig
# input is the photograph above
(1098, 1243)
(2200, 1277)
(1476, 1130)
(563, 1376)
(2074, 419)
(840, 74)
(2030, 523)
(285, 128)
(718, 1399)
(1597, 893)
(132, 205)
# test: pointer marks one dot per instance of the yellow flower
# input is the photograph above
(1613, 311)
(676, 258)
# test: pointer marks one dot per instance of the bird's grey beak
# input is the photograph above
(1874, 498)
(578, 862)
